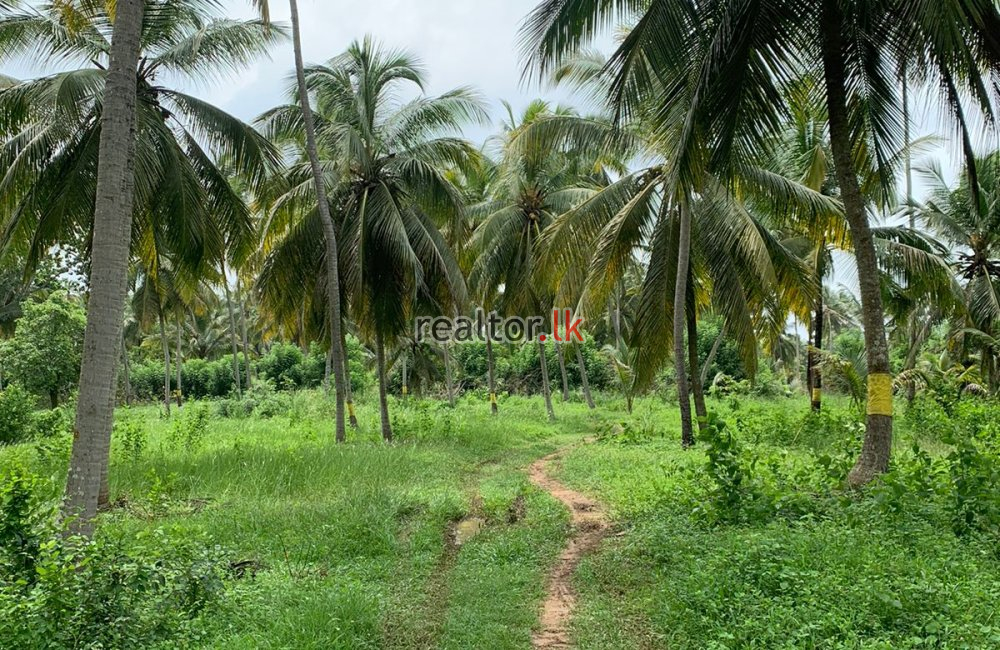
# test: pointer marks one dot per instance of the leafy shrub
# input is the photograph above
(56, 590)
(44, 355)
(975, 502)
(189, 430)
(131, 433)
(261, 401)
(283, 365)
(16, 408)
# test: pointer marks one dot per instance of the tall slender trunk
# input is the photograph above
(712, 353)
(816, 381)
(491, 377)
(546, 387)
(697, 388)
(584, 381)
(619, 343)
(179, 361)
(562, 372)
(449, 379)
(246, 339)
(680, 294)
(110, 244)
(907, 158)
(383, 403)
(237, 381)
(166, 362)
(329, 232)
(348, 389)
(875, 453)
(128, 374)
(917, 339)
(326, 371)
(406, 386)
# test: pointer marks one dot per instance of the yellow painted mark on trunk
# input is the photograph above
(880, 394)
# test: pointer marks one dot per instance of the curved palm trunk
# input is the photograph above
(697, 388)
(329, 232)
(917, 338)
(562, 372)
(246, 339)
(179, 362)
(383, 403)
(877, 448)
(237, 382)
(712, 353)
(491, 375)
(546, 388)
(166, 362)
(680, 293)
(584, 381)
(108, 274)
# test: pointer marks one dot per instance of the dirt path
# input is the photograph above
(590, 524)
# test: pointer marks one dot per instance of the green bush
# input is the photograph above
(17, 407)
(59, 591)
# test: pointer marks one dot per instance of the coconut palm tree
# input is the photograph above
(970, 222)
(535, 181)
(384, 165)
(112, 216)
(723, 64)
(714, 239)
(112, 122)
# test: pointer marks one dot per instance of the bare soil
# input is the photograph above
(590, 525)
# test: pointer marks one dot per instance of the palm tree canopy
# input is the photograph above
(387, 166)
(49, 132)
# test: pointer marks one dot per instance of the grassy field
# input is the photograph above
(354, 546)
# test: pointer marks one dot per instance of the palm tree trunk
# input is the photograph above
(546, 388)
(166, 362)
(383, 403)
(326, 371)
(491, 377)
(916, 341)
(877, 448)
(907, 159)
(712, 354)
(696, 386)
(179, 362)
(680, 295)
(816, 380)
(449, 380)
(246, 339)
(562, 371)
(108, 274)
(348, 390)
(584, 381)
(329, 232)
(126, 370)
(237, 381)
(406, 386)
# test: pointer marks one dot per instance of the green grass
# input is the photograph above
(351, 540)
(350, 546)
(851, 572)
